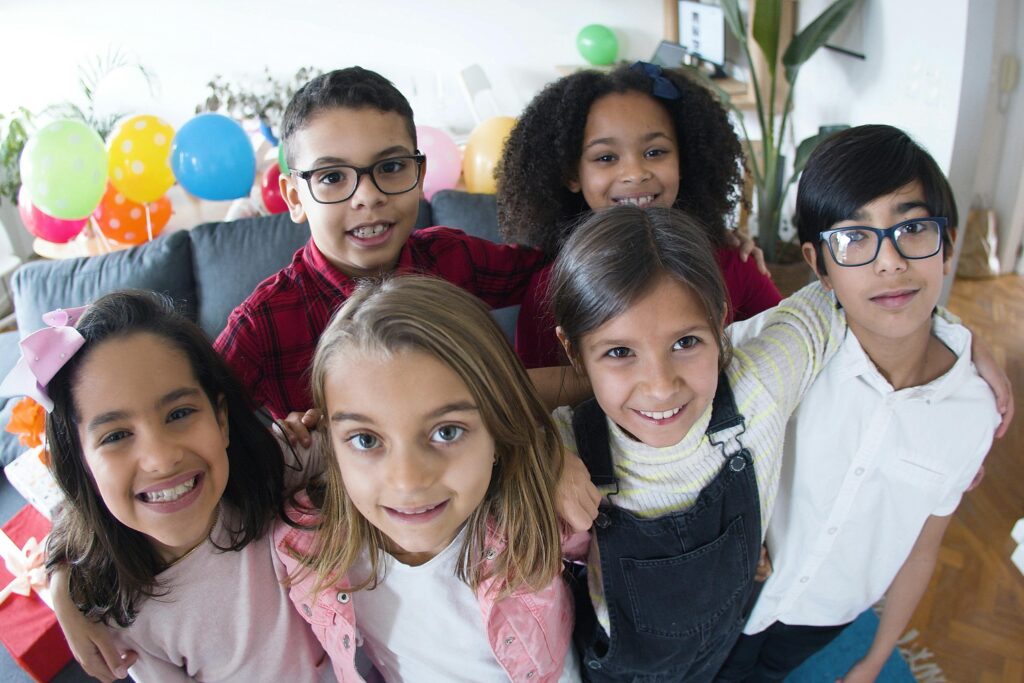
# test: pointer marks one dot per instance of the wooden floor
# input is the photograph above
(970, 625)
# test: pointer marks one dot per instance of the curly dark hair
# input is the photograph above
(535, 206)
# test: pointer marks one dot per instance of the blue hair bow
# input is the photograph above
(662, 87)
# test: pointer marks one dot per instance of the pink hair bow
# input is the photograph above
(26, 565)
(43, 354)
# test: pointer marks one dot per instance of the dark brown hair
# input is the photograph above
(618, 255)
(113, 567)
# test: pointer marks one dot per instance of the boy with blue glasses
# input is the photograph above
(894, 429)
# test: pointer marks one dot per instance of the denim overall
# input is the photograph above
(679, 586)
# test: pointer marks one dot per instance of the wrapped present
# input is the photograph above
(30, 476)
(28, 626)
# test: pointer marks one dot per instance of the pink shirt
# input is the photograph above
(529, 632)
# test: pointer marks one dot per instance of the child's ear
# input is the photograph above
(810, 255)
(290, 191)
(570, 353)
(222, 418)
(947, 257)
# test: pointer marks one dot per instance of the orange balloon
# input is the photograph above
(123, 220)
(483, 150)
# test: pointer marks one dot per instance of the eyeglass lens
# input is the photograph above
(858, 246)
(338, 183)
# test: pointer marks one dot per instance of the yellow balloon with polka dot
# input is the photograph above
(139, 151)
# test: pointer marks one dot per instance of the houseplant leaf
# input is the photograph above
(765, 27)
(806, 42)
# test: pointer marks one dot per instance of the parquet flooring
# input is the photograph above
(969, 627)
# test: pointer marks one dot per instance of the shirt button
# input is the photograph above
(491, 553)
(594, 664)
(832, 531)
(859, 471)
(305, 610)
(529, 675)
(346, 642)
(603, 521)
(343, 597)
(804, 579)
(510, 640)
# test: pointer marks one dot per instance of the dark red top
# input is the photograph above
(270, 338)
(750, 292)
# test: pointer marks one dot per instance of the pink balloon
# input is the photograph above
(270, 190)
(444, 161)
(45, 226)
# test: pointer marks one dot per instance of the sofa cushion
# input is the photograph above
(476, 214)
(163, 265)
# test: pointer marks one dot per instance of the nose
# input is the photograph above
(160, 453)
(634, 169)
(366, 193)
(410, 469)
(661, 381)
(889, 259)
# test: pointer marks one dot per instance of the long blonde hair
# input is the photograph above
(437, 318)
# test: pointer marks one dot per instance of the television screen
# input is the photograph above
(702, 31)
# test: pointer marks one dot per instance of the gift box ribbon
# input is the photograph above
(25, 564)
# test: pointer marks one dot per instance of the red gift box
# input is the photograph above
(28, 627)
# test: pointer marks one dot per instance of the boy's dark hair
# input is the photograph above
(861, 164)
(618, 254)
(543, 152)
(112, 567)
(352, 88)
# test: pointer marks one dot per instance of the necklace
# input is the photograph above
(204, 539)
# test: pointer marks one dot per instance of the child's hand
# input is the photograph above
(991, 372)
(576, 497)
(297, 427)
(90, 642)
(743, 243)
(861, 672)
(764, 566)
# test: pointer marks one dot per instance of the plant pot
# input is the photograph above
(18, 236)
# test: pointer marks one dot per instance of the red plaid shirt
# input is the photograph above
(270, 338)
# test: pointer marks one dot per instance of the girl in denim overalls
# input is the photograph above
(683, 438)
(433, 542)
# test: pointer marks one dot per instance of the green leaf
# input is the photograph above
(734, 19)
(814, 35)
(767, 17)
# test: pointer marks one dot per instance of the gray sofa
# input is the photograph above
(209, 269)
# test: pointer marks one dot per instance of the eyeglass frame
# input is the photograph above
(418, 157)
(882, 233)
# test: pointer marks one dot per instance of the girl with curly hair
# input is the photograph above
(636, 135)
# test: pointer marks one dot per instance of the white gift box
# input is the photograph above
(32, 479)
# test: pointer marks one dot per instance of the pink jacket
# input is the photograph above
(529, 632)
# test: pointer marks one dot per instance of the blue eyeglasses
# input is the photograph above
(858, 245)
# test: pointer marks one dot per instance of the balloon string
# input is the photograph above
(99, 233)
(149, 223)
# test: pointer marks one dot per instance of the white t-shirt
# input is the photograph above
(864, 468)
(423, 625)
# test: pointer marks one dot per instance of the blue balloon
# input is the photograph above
(212, 158)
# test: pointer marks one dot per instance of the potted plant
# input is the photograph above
(768, 166)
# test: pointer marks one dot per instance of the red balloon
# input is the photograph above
(45, 226)
(124, 220)
(270, 189)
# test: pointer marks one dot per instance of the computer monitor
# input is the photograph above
(702, 31)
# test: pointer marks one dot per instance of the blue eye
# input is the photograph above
(618, 352)
(447, 433)
(364, 442)
(687, 342)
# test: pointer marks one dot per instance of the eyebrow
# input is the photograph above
(456, 407)
(394, 150)
(610, 140)
(115, 415)
(903, 207)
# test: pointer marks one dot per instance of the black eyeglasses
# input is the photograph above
(858, 245)
(337, 183)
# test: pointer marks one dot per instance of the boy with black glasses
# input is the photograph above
(357, 178)
(894, 429)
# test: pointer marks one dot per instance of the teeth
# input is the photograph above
(660, 415)
(366, 231)
(636, 201)
(416, 511)
(167, 495)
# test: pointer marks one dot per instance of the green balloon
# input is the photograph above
(64, 167)
(281, 162)
(598, 44)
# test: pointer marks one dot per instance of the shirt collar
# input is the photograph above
(318, 264)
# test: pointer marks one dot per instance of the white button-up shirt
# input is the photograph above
(864, 468)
